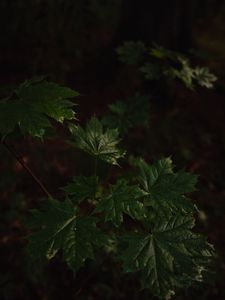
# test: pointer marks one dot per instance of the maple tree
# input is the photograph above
(160, 244)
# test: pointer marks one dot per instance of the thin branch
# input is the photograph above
(95, 166)
(25, 166)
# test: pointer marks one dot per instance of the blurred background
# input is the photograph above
(73, 42)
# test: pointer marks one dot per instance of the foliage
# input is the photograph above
(122, 199)
(168, 257)
(149, 216)
(157, 62)
(82, 188)
(33, 104)
(97, 142)
(165, 189)
(131, 52)
(61, 227)
(125, 115)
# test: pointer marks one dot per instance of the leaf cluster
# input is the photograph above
(145, 221)
(157, 62)
(125, 115)
(161, 247)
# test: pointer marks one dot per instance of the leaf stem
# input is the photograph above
(25, 166)
(95, 166)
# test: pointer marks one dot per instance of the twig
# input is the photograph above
(95, 166)
(25, 166)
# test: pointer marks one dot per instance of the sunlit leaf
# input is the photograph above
(98, 142)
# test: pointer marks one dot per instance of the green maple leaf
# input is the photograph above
(59, 227)
(97, 142)
(82, 188)
(131, 52)
(166, 190)
(128, 114)
(122, 199)
(151, 71)
(170, 256)
(32, 106)
(204, 78)
(185, 72)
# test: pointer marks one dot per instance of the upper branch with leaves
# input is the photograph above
(157, 62)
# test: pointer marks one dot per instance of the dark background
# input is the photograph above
(73, 42)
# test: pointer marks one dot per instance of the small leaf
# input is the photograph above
(204, 78)
(97, 142)
(185, 73)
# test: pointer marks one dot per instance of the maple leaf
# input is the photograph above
(131, 52)
(166, 190)
(204, 78)
(128, 114)
(97, 142)
(157, 62)
(122, 199)
(170, 256)
(82, 188)
(59, 227)
(151, 71)
(32, 106)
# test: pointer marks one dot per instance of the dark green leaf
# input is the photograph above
(128, 114)
(131, 53)
(122, 199)
(169, 257)
(59, 227)
(97, 142)
(166, 189)
(82, 188)
(151, 71)
(33, 105)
